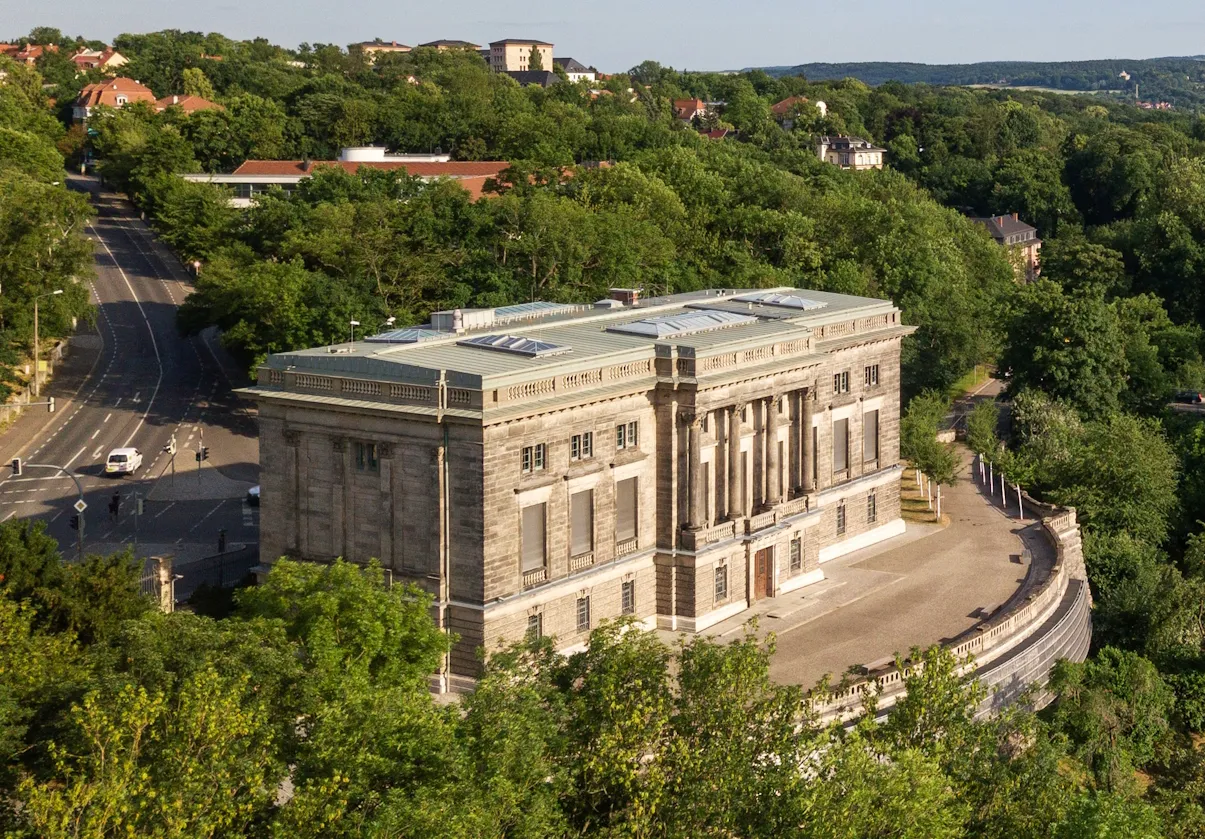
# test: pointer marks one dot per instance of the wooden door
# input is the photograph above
(763, 574)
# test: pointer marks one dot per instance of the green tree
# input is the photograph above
(195, 83)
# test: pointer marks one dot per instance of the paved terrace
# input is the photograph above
(918, 589)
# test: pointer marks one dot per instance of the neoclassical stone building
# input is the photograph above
(539, 468)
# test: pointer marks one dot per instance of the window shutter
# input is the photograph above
(533, 537)
(625, 510)
(582, 523)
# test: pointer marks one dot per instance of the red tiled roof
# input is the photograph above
(189, 104)
(451, 169)
(785, 106)
(105, 93)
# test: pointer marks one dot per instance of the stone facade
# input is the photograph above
(676, 478)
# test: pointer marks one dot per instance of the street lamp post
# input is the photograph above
(36, 349)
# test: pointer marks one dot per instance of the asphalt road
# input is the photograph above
(132, 380)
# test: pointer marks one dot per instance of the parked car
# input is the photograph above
(253, 496)
(1189, 397)
(123, 462)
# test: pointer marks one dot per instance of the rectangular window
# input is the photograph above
(840, 445)
(721, 583)
(366, 458)
(533, 458)
(872, 375)
(797, 554)
(628, 598)
(841, 519)
(625, 510)
(535, 626)
(872, 509)
(841, 382)
(583, 614)
(870, 435)
(626, 436)
(581, 446)
(533, 537)
(581, 522)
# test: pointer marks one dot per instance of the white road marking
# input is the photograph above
(94, 433)
(98, 451)
(9, 516)
(77, 454)
(106, 419)
(164, 510)
(118, 402)
(136, 396)
(154, 344)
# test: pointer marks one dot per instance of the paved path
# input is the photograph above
(920, 588)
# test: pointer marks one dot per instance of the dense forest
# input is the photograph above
(319, 676)
(1179, 81)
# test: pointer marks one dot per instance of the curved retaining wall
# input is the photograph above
(1012, 651)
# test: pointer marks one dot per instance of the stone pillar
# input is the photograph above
(773, 464)
(695, 430)
(809, 454)
(736, 489)
(794, 444)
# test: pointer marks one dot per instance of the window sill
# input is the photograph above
(625, 456)
(536, 481)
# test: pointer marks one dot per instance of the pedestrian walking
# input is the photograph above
(115, 506)
(222, 541)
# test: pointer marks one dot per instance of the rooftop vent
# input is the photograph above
(405, 336)
(688, 323)
(515, 344)
(786, 301)
(626, 296)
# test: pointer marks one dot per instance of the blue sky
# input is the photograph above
(690, 34)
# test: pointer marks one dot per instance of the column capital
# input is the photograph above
(692, 418)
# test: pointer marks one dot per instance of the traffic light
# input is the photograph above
(50, 405)
(198, 455)
(204, 452)
(75, 522)
(140, 503)
(16, 467)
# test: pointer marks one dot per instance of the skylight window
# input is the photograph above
(529, 311)
(405, 336)
(786, 301)
(530, 347)
(687, 323)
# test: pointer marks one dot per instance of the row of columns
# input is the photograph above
(802, 462)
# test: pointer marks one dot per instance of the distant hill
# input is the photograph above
(1181, 78)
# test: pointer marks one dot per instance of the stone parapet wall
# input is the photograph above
(1011, 651)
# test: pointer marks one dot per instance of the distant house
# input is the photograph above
(687, 109)
(188, 104)
(446, 45)
(255, 177)
(515, 55)
(115, 93)
(850, 153)
(27, 54)
(375, 49)
(716, 133)
(786, 110)
(1022, 242)
(106, 59)
(527, 78)
(575, 70)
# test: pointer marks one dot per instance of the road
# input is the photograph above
(132, 380)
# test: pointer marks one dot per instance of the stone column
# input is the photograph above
(773, 464)
(809, 454)
(794, 444)
(736, 490)
(695, 430)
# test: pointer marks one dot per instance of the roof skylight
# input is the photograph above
(516, 344)
(687, 323)
(405, 336)
(786, 301)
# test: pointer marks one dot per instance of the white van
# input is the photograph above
(123, 462)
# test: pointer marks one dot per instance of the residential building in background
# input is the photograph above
(1020, 239)
(514, 55)
(27, 54)
(188, 103)
(255, 177)
(114, 93)
(575, 70)
(687, 109)
(378, 47)
(785, 110)
(106, 59)
(543, 78)
(445, 44)
(850, 153)
(541, 467)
